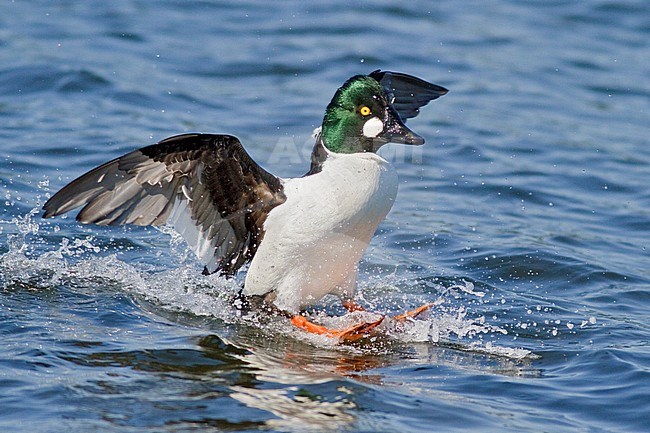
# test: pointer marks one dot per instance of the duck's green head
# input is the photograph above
(363, 113)
(360, 119)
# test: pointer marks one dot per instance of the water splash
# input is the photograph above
(449, 322)
(184, 289)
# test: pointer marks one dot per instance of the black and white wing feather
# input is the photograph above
(407, 93)
(206, 186)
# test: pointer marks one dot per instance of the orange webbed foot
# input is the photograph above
(347, 335)
(412, 313)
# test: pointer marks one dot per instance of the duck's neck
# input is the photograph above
(350, 144)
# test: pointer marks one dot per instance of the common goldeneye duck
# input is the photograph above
(303, 236)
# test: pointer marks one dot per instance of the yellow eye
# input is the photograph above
(364, 111)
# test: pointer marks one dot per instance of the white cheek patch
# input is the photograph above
(373, 127)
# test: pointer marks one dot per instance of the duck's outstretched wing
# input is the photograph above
(407, 93)
(206, 186)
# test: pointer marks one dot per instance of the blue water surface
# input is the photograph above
(525, 218)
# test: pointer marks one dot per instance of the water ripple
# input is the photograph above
(524, 219)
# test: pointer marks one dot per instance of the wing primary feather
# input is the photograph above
(407, 93)
(206, 186)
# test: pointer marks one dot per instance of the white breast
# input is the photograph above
(314, 241)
